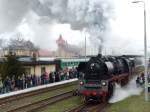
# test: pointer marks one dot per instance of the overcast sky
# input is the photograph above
(124, 33)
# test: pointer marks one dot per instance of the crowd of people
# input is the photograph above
(27, 81)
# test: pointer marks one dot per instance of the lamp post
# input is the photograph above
(145, 54)
(85, 47)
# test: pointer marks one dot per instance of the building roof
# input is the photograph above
(46, 58)
(38, 61)
(45, 53)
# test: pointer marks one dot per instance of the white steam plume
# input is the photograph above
(122, 93)
(124, 34)
(91, 16)
(11, 13)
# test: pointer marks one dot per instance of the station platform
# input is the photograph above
(36, 88)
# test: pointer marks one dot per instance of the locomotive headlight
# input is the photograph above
(103, 83)
(81, 83)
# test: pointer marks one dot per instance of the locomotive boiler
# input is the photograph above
(100, 74)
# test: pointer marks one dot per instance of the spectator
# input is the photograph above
(7, 84)
(61, 75)
(38, 80)
(67, 75)
(141, 79)
(70, 74)
(42, 79)
(34, 80)
(13, 84)
(24, 81)
(28, 81)
(18, 83)
(51, 79)
(46, 78)
(57, 75)
(1, 86)
(54, 74)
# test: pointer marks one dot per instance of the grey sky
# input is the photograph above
(117, 24)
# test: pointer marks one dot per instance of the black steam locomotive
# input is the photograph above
(100, 74)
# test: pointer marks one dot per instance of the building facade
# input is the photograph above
(37, 67)
(65, 49)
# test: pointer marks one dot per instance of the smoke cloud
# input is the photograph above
(122, 93)
(92, 16)
(110, 24)
(89, 15)
(80, 14)
(11, 13)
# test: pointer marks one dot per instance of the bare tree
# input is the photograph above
(20, 43)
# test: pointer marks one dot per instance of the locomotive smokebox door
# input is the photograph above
(104, 85)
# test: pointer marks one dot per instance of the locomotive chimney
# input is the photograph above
(99, 55)
(100, 49)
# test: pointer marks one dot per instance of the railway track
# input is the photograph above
(89, 108)
(96, 107)
(33, 107)
(14, 102)
(9, 99)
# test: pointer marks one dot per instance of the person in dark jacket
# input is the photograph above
(42, 79)
(51, 80)
(34, 80)
(1, 86)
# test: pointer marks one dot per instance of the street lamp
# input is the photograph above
(85, 47)
(145, 53)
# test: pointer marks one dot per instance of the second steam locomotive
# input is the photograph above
(100, 74)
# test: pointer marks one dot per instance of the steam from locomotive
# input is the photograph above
(120, 93)
(92, 16)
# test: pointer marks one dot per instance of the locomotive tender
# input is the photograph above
(100, 74)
